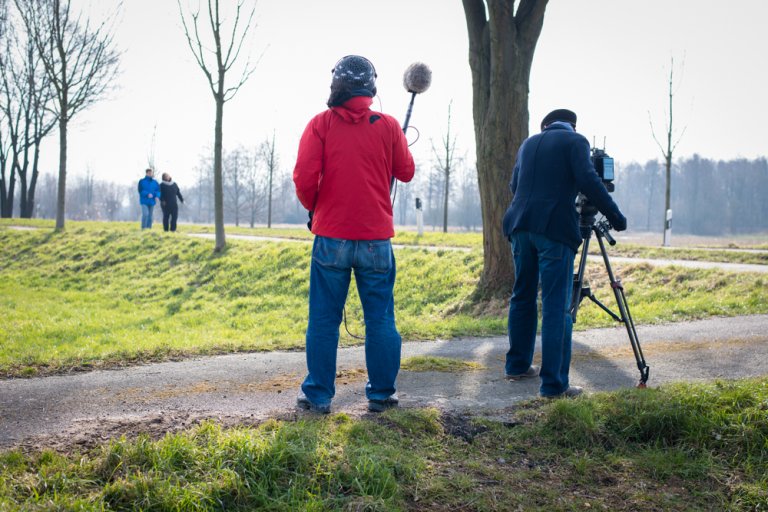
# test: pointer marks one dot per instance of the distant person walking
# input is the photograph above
(149, 190)
(169, 191)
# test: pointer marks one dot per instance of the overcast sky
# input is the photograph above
(608, 60)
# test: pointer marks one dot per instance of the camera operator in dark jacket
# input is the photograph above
(543, 225)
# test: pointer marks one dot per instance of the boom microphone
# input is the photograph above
(417, 78)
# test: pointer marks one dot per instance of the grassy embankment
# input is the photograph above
(105, 294)
(681, 447)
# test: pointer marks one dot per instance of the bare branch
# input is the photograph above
(653, 133)
(196, 47)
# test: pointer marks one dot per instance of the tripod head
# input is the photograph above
(588, 223)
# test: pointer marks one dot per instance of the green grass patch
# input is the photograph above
(679, 447)
(438, 364)
(106, 294)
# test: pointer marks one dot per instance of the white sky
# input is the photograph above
(606, 59)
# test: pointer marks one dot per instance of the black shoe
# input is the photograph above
(571, 392)
(303, 402)
(382, 405)
(530, 373)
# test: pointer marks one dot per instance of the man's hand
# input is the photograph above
(619, 223)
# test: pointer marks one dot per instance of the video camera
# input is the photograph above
(603, 164)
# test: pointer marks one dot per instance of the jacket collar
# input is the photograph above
(560, 125)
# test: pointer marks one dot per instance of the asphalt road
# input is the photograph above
(89, 407)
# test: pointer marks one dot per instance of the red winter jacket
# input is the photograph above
(347, 157)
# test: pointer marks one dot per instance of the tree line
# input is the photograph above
(709, 197)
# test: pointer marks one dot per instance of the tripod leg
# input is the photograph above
(578, 293)
(626, 317)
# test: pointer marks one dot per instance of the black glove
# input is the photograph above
(619, 222)
(309, 223)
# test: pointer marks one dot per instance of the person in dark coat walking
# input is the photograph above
(169, 191)
(543, 225)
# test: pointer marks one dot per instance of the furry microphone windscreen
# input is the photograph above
(417, 77)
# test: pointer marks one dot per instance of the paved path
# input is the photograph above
(251, 387)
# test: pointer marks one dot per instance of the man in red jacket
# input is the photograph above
(347, 158)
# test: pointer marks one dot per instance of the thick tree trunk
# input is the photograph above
(501, 47)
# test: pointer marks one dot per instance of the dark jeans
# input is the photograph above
(540, 259)
(170, 214)
(333, 261)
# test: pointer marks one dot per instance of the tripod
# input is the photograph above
(601, 229)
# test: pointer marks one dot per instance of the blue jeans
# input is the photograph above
(540, 259)
(333, 261)
(146, 215)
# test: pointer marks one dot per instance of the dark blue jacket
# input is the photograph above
(551, 168)
(148, 186)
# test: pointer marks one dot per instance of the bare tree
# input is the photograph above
(79, 59)
(501, 46)
(254, 186)
(151, 156)
(112, 196)
(224, 57)
(5, 148)
(667, 153)
(445, 165)
(203, 190)
(236, 164)
(270, 159)
(25, 96)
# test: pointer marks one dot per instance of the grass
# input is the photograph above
(679, 447)
(106, 294)
(438, 364)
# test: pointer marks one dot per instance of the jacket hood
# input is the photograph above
(354, 109)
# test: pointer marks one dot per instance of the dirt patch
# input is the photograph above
(85, 435)
(462, 426)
